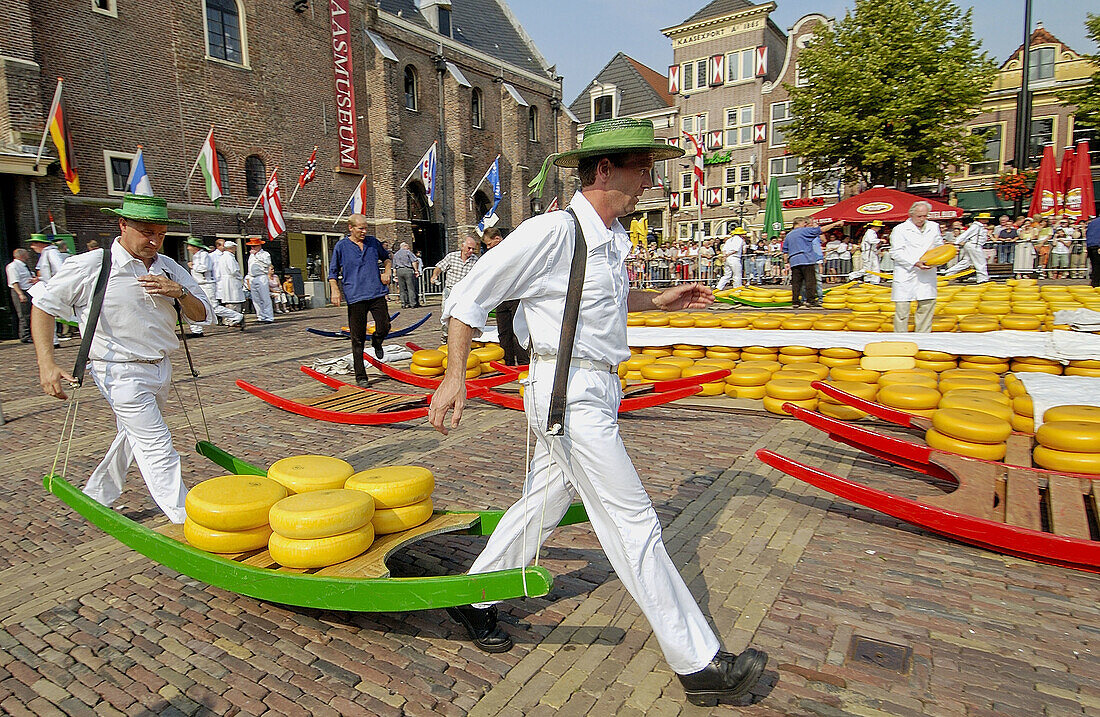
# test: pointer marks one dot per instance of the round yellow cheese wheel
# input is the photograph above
(854, 373)
(766, 322)
(430, 358)
(699, 370)
(657, 351)
(954, 384)
(936, 366)
(969, 373)
(1021, 322)
(225, 541)
(982, 405)
(394, 520)
(633, 376)
(1022, 424)
(866, 391)
(657, 321)
(489, 352)
(743, 376)
(709, 322)
(1072, 436)
(775, 405)
(1073, 412)
(939, 255)
(1014, 386)
(660, 372)
(797, 324)
(911, 376)
(632, 320)
(1078, 371)
(840, 352)
(985, 451)
(235, 502)
(1023, 405)
(975, 325)
(689, 353)
(472, 361)
(690, 347)
(635, 362)
(321, 513)
(717, 363)
(934, 356)
(754, 392)
(320, 552)
(712, 389)
(394, 486)
(829, 324)
(1065, 461)
(790, 389)
(840, 411)
(974, 393)
(301, 474)
(908, 396)
(818, 370)
(681, 322)
(797, 351)
(762, 351)
(965, 424)
(735, 322)
(766, 364)
(834, 362)
(795, 374)
(418, 370)
(680, 361)
(1017, 367)
(473, 372)
(1085, 363)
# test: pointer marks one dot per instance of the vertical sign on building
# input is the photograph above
(347, 134)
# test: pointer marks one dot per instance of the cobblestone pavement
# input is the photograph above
(89, 627)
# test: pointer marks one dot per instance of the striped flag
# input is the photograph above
(58, 124)
(427, 174)
(553, 206)
(358, 199)
(208, 162)
(273, 207)
(698, 185)
(310, 171)
(138, 181)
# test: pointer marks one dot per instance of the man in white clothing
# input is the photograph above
(49, 263)
(971, 245)
(130, 346)
(259, 262)
(588, 457)
(868, 250)
(732, 249)
(230, 283)
(202, 271)
(19, 283)
(913, 279)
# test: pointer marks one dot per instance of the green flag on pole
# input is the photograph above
(773, 211)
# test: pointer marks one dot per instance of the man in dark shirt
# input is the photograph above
(803, 249)
(353, 274)
(1092, 246)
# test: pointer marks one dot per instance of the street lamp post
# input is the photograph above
(743, 196)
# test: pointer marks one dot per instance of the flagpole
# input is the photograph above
(196, 165)
(262, 192)
(356, 191)
(293, 194)
(49, 119)
(484, 177)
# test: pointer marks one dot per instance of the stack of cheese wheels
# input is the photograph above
(486, 354)
(473, 365)
(660, 370)
(969, 378)
(1032, 364)
(968, 432)
(724, 352)
(402, 496)
(834, 357)
(302, 474)
(834, 408)
(631, 369)
(914, 398)
(778, 391)
(427, 362)
(1069, 439)
(797, 355)
(889, 355)
(229, 514)
(1023, 414)
(1083, 368)
(994, 364)
(320, 528)
(937, 361)
(714, 388)
(749, 378)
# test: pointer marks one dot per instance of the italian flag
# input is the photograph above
(208, 162)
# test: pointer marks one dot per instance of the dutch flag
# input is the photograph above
(138, 181)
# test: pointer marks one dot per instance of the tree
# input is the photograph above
(884, 93)
(1087, 98)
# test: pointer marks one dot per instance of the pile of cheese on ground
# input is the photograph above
(309, 512)
(433, 362)
(1019, 304)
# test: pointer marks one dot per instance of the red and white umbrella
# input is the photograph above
(1080, 200)
(1044, 197)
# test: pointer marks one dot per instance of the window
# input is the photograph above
(739, 122)
(602, 108)
(533, 123)
(410, 87)
(117, 165)
(738, 183)
(255, 176)
(1041, 64)
(685, 180)
(827, 184)
(781, 117)
(687, 76)
(785, 172)
(799, 78)
(1042, 134)
(701, 74)
(990, 162)
(693, 75)
(1087, 134)
(477, 118)
(444, 17)
(223, 31)
(105, 7)
(695, 124)
(223, 174)
(739, 66)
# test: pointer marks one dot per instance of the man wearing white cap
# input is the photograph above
(259, 261)
(230, 283)
(732, 249)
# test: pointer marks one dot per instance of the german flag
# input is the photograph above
(63, 140)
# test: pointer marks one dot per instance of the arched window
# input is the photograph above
(476, 117)
(410, 87)
(223, 173)
(533, 123)
(255, 175)
(223, 31)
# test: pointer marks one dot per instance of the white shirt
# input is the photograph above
(259, 263)
(976, 233)
(19, 275)
(532, 265)
(907, 245)
(870, 242)
(733, 247)
(49, 262)
(844, 252)
(230, 282)
(832, 250)
(132, 324)
(202, 267)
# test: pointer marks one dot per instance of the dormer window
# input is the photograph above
(1041, 64)
(444, 20)
(602, 107)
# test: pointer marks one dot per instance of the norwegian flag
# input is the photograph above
(273, 207)
(553, 206)
(698, 185)
(310, 171)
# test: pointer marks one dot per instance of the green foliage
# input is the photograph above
(887, 90)
(1087, 98)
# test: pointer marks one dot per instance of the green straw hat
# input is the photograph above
(195, 241)
(40, 238)
(612, 136)
(140, 208)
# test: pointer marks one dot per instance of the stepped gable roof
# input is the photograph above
(718, 8)
(642, 89)
(484, 25)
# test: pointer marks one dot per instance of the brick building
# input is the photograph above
(371, 83)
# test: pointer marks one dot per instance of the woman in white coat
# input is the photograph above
(913, 279)
(230, 289)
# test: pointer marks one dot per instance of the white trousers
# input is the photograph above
(923, 320)
(226, 314)
(261, 298)
(871, 263)
(731, 273)
(137, 393)
(590, 460)
(972, 256)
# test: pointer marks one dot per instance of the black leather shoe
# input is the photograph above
(379, 352)
(481, 624)
(727, 677)
(362, 382)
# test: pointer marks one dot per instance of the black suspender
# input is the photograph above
(555, 423)
(93, 316)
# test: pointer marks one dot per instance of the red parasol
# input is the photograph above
(888, 205)
(1065, 179)
(1080, 201)
(1044, 197)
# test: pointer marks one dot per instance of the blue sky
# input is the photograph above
(580, 36)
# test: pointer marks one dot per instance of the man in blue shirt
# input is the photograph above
(1092, 246)
(802, 247)
(353, 274)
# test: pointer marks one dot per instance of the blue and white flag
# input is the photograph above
(138, 181)
(493, 177)
(427, 174)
